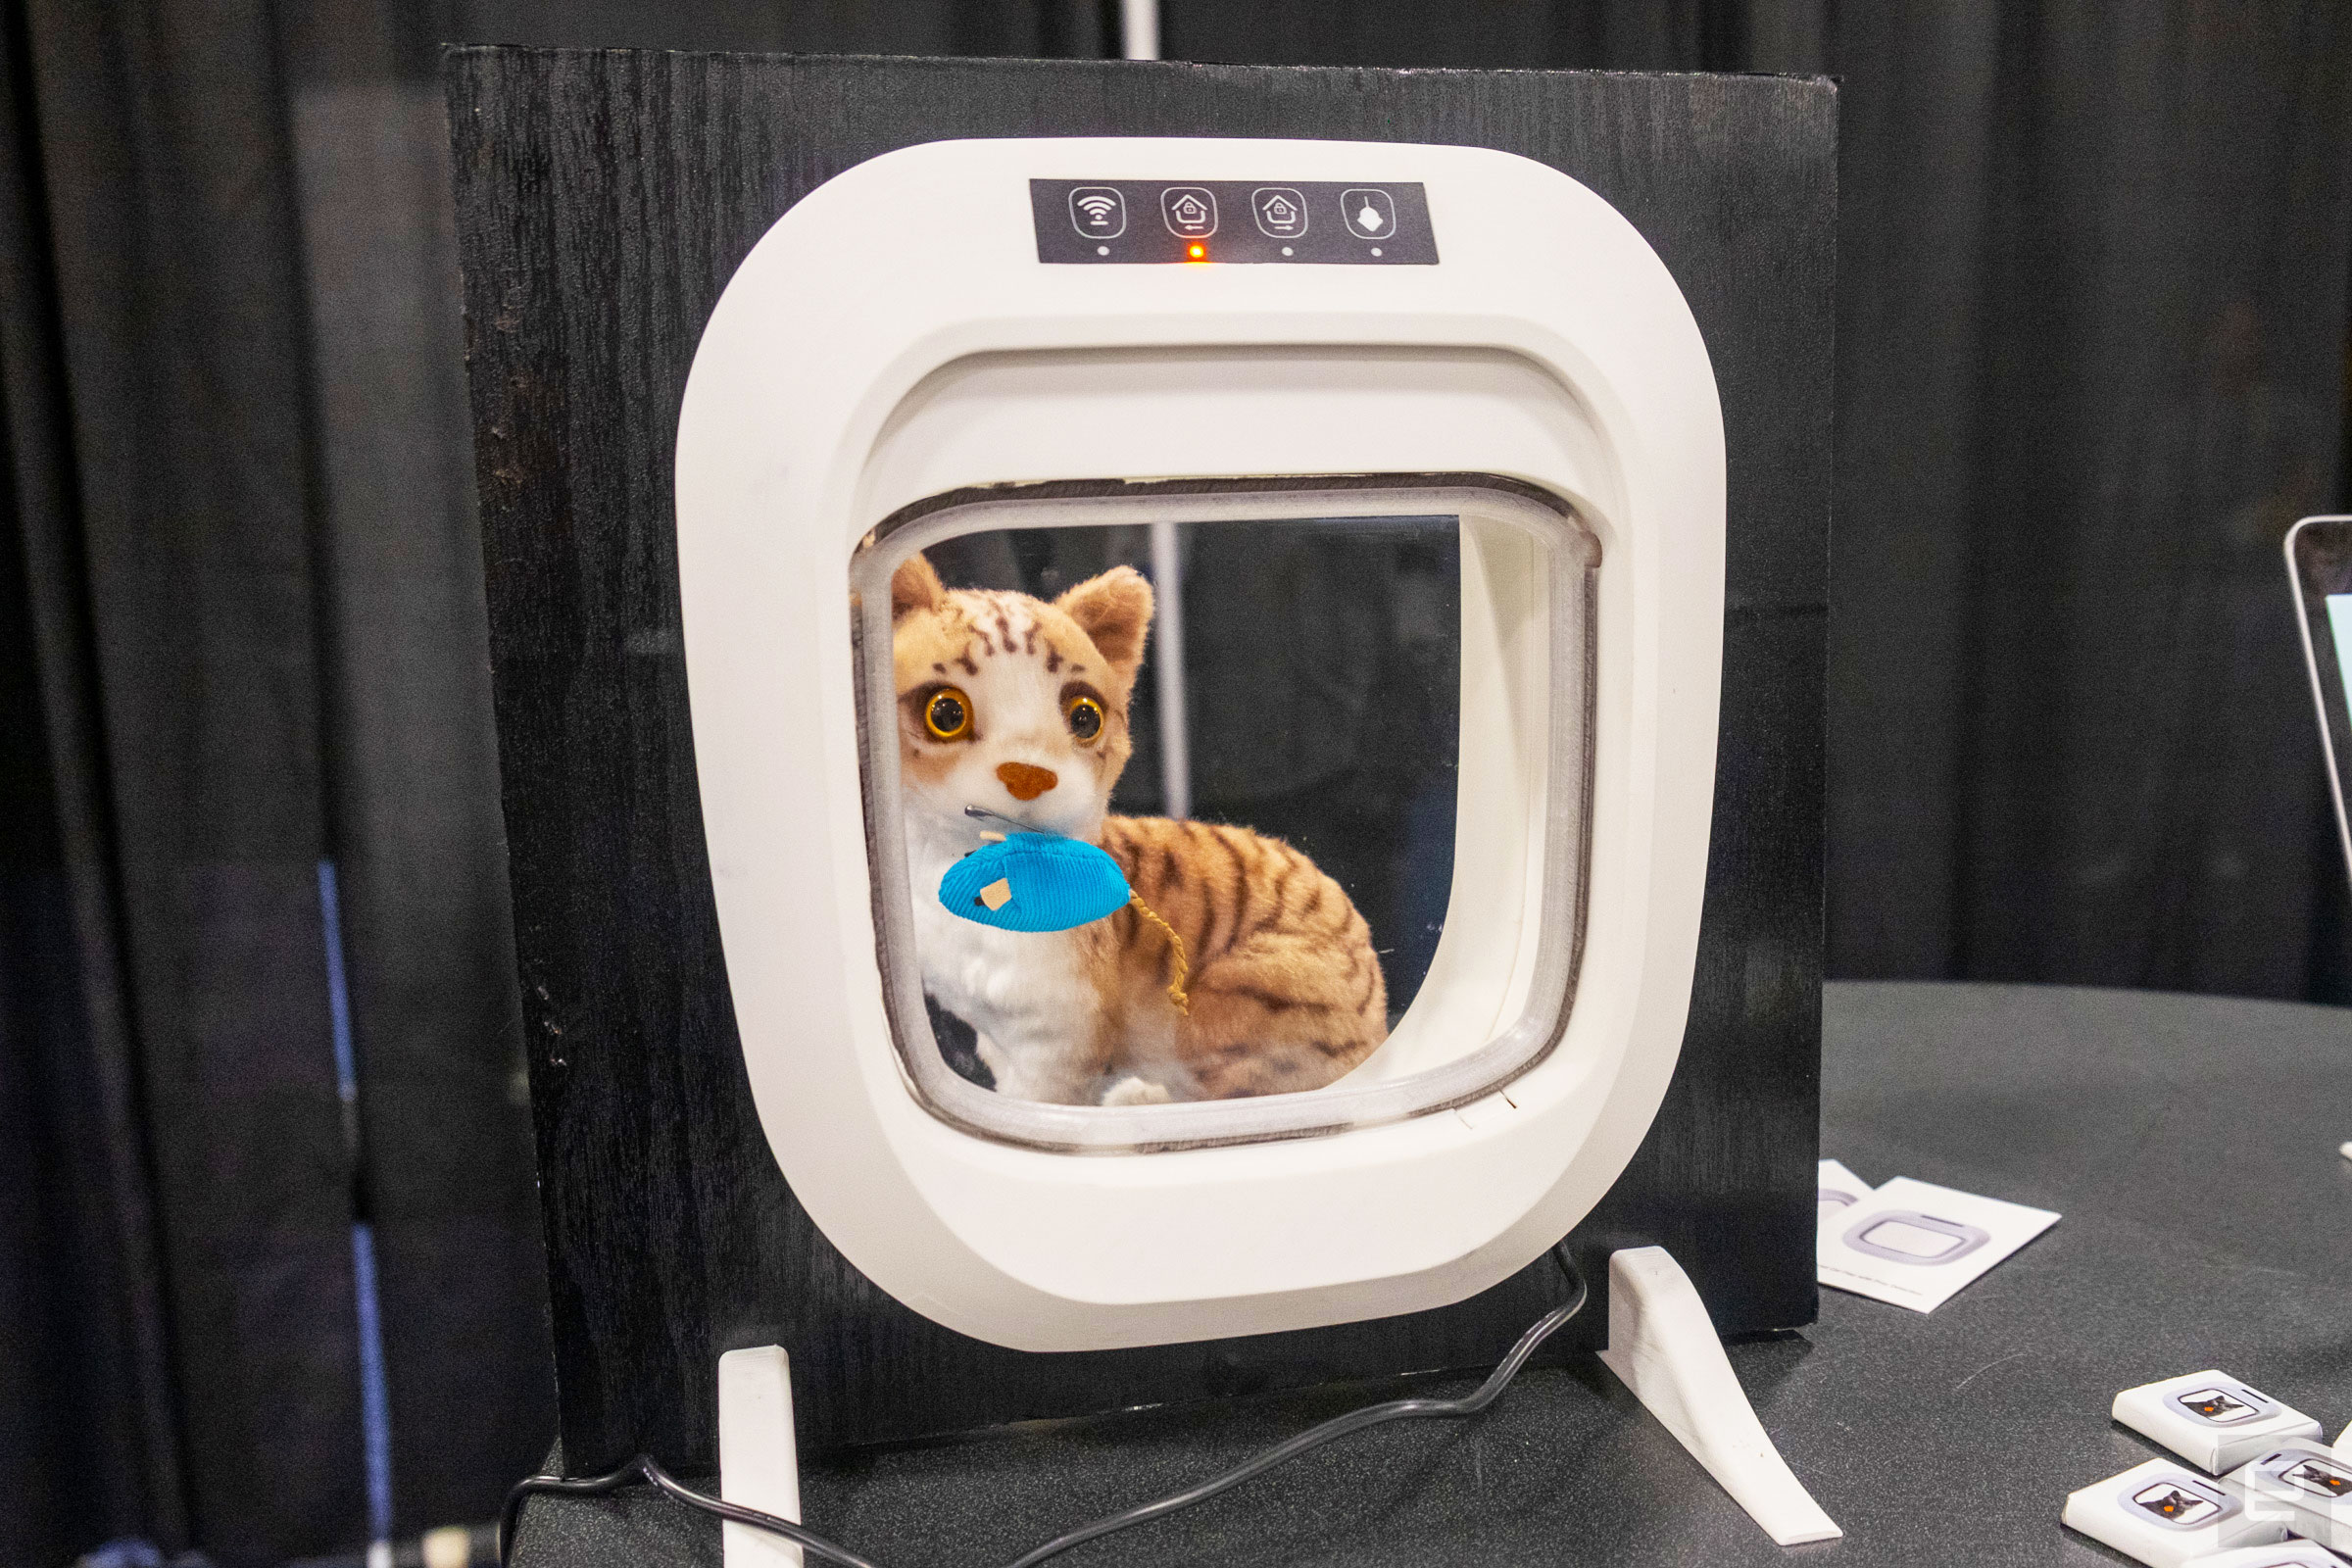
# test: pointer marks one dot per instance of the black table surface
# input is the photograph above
(2189, 1142)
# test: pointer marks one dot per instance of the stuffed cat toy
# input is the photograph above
(1019, 708)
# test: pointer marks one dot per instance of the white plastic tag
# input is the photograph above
(2284, 1554)
(1915, 1244)
(2166, 1515)
(2212, 1419)
(2306, 1487)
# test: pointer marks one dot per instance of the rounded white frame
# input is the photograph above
(836, 317)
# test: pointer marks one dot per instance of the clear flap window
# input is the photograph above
(1209, 813)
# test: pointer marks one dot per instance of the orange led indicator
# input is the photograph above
(1199, 253)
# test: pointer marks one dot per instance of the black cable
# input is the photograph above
(645, 1468)
(1469, 1404)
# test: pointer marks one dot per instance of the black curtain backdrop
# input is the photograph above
(2094, 269)
(164, 970)
(2093, 263)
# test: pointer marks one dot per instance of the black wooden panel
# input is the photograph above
(604, 201)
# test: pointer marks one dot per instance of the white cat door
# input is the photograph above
(1448, 519)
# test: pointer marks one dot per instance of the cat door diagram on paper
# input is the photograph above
(1913, 1238)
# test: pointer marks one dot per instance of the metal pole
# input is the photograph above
(1139, 39)
(1175, 742)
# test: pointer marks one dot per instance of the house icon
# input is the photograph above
(1190, 210)
(1281, 212)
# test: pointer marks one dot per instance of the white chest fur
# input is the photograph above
(1027, 992)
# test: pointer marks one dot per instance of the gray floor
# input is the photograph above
(2189, 1142)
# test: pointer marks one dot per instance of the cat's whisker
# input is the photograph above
(1009, 825)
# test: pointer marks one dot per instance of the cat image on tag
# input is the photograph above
(2220, 1407)
(2175, 1505)
(2320, 1478)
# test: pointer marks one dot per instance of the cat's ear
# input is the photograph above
(915, 586)
(1115, 610)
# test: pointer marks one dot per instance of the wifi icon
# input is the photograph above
(1098, 212)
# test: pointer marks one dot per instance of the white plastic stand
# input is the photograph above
(1664, 1348)
(1661, 1343)
(759, 1458)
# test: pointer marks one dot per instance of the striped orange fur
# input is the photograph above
(1284, 993)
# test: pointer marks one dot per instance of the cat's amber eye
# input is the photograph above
(947, 715)
(1084, 716)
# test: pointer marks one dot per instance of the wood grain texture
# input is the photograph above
(603, 200)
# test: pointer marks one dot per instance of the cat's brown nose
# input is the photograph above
(1025, 782)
